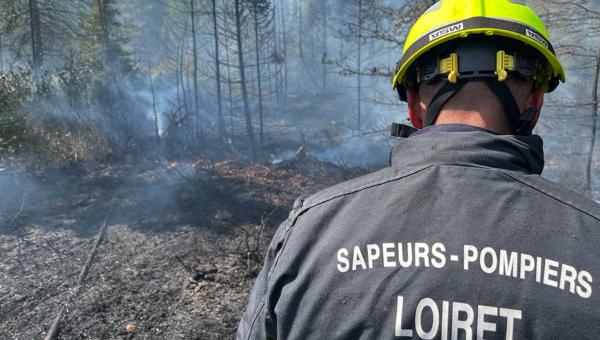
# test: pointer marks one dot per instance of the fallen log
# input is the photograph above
(82, 276)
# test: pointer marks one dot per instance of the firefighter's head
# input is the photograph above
(475, 104)
(468, 55)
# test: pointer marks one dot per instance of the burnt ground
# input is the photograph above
(183, 244)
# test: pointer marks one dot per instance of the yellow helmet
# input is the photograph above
(450, 20)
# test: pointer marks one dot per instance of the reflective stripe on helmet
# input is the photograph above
(489, 26)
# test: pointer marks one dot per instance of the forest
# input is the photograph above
(150, 148)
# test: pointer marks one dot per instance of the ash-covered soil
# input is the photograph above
(183, 244)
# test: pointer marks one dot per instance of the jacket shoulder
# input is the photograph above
(355, 185)
(560, 193)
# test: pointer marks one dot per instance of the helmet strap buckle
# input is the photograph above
(504, 62)
(450, 65)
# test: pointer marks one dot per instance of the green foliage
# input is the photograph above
(11, 133)
(75, 77)
(56, 141)
(46, 138)
(262, 6)
(106, 39)
(12, 94)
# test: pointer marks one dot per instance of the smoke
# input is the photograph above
(19, 191)
(317, 93)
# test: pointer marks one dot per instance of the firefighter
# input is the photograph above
(460, 238)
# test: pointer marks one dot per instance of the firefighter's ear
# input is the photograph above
(415, 110)
(536, 100)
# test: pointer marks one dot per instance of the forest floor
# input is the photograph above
(182, 246)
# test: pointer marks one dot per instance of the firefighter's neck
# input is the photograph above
(493, 120)
(489, 115)
(474, 105)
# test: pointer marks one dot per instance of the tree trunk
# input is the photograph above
(595, 104)
(300, 33)
(181, 75)
(273, 74)
(1, 56)
(178, 81)
(285, 58)
(104, 28)
(192, 119)
(218, 70)
(110, 78)
(238, 33)
(156, 130)
(277, 66)
(258, 80)
(324, 42)
(358, 63)
(229, 84)
(231, 124)
(36, 39)
(195, 66)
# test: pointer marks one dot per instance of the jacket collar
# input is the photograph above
(470, 146)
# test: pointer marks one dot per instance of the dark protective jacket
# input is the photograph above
(459, 239)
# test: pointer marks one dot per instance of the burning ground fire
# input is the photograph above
(201, 212)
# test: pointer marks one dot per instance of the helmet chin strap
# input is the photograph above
(522, 121)
(443, 95)
(525, 122)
